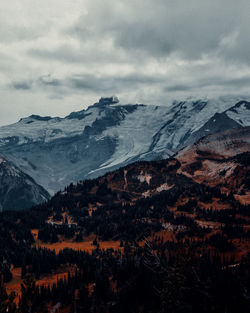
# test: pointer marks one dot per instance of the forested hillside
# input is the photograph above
(149, 237)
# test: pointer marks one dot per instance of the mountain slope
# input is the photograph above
(211, 174)
(221, 159)
(106, 136)
(18, 190)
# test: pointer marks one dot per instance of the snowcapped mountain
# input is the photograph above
(18, 190)
(107, 135)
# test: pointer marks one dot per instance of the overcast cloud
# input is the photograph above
(58, 56)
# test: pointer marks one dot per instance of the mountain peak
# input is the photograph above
(33, 117)
(108, 100)
(243, 105)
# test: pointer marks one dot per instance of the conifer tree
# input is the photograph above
(29, 301)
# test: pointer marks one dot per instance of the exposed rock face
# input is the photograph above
(220, 159)
(109, 100)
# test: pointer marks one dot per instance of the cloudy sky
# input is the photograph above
(58, 56)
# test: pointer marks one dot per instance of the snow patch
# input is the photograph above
(175, 228)
(164, 187)
(240, 114)
(214, 168)
(144, 178)
(125, 179)
(147, 193)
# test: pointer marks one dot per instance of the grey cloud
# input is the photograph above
(238, 82)
(162, 27)
(67, 54)
(104, 84)
(6, 62)
(211, 82)
(87, 83)
(48, 81)
(112, 84)
(109, 83)
(177, 88)
(14, 33)
(22, 85)
(63, 54)
(232, 82)
(92, 83)
(44, 81)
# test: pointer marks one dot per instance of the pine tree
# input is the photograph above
(95, 242)
(30, 301)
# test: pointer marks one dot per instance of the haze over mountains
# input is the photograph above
(86, 144)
